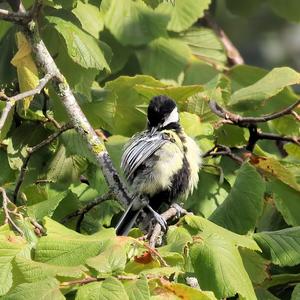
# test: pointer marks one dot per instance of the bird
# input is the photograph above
(161, 163)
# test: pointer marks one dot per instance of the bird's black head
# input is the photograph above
(162, 112)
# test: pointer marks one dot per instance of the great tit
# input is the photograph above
(161, 164)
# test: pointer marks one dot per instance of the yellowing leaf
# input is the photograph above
(26, 68)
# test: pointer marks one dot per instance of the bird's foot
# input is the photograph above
(180, 211)
(159, 219)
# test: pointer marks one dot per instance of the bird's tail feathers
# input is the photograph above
(127, 220)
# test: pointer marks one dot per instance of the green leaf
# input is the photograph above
(178, 93)
(296, 292)
(217, 264)
(111, 288)
(275, 169)
(245, 8)
(282, 247)
(172, 54)
(79, 78)
(120, 53)
(280, 279)
(183, 12)
(6, 174)
(8, 122)
(67, 4)
(137, 289)
(255, 265)
(20, 140)
(198, 72)
(111, 260)
(141, 24)
(75, 144)
(10, 246)
(209, 194)
(193, 126)
(42, 200)
(8, 48)
(65, 169)
(115, 147)
(101, 215)
(47, 289)
(205, 46)
(263, 294)
(66, 247)
(195, 225)
(117, 107)
(174, 291)
(32, 271)
(4, 27)
(288, 10)
(270, 85)
(287, 201)
(231, 136)
(83, 48)
(241, 216)
(177, 239)
(90, 17)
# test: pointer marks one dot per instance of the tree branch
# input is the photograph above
(16, 6)
(233, 55)
(10, 101)
(35, 91)
(8, 219)
(221, 150)
(32, 150)
(78, 119)
(245, 121)
(167, 215)
(251, 124)
(5, 113)
(16, 17)
(85, 209)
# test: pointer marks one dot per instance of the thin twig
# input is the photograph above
(32, 150)
(38, 228)
(82, 211)
(11, 100)
(251, 124)
(167, 215)
(233, 55)
(5, 114)
(16, 17)
(245, 121)
(8, 219)
(47, 65)
(221, 150)
(94, 279)
(295, 115)
(35, 91)
(278, 137)
(17, 6)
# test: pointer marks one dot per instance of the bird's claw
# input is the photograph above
(180, 211)
(159, 219)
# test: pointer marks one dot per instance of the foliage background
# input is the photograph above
(244, 239)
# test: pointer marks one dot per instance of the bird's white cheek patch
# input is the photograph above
(172, 118)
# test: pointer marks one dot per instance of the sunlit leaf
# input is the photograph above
(183, 12)
(141, 24)
(242, 207)
(111, 288)
(282, 246)
(26, 68)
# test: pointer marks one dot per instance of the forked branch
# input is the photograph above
(31, 151)
(10, 101)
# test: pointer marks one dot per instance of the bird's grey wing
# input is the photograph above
(139, 149)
